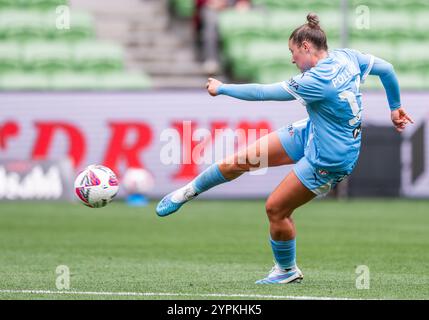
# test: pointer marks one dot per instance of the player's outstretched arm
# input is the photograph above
(388, 78)
(250, 92)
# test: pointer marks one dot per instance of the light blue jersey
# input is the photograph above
(330, 92)
(325, 147)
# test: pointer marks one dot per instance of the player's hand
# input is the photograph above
(400, 119)
(212, 86)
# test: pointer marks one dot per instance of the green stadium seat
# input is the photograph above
(275, 72)
(420, 24)
(81, 26)
(380, 48)
(384, 4)
(124, 81)
(33, 4)
(47, 56)
(42, 4)
(250, 60)
(265, 54)
(308, 5)
(73, 81)
(10, 56)
(281, 23)
(398, 33)
(19, 25)
(415, 80)
(405, 56)
(98, 56)
(407, 81)
(84, 81)
(18, 81)
(183, 8)
(241, 25)
(232, 20)
(271, 76)
(7, 4)
(37, 55)
(32, 24)
(394, 25)
(413, 56)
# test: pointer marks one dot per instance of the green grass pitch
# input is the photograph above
(212, 250)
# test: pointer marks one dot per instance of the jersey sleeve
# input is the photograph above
(306, 88)
(388, 78)
(256, 92)
(371, 65)
(365, 62)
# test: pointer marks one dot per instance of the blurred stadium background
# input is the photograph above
(104, 90)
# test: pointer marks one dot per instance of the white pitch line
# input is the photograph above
(165, 294)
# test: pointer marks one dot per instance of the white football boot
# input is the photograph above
(279, 275)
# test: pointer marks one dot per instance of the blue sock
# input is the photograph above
(208, 179)
(284, 252)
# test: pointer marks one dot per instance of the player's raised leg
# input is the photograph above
(289, 195)
(265, 152)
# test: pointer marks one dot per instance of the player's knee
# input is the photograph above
(272, 210)
(276, 211)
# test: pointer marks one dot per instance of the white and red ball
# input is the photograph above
(96, 186)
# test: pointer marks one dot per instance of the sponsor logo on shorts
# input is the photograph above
(357, 131)
(290, 129)
(322, 172)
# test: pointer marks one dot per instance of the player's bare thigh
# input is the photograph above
(265, 152)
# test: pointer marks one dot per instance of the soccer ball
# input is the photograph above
(137, 181)
(96, 186)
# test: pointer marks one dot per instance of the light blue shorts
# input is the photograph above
(294, 139)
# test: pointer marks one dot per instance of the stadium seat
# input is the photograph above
(380, 48)
(183, 8)
(76, 81)
(407, 81)
(124, 81)
(393, 25)
(98, 56)
(420, 24)
(42, 4)
(243, 36)
(10, 56)
(19, 25)
(83, 81)
(34, 4)
(241, 25)
(384, 4)
(275, 72)
(31, 24)
(264, 54)
(47, 56)
(281, 23)
(413, 56)
(309, 5)
(413, 80)
(18, 81)
(81, 26)
(405, 55)
(37, 54)
(6, 4)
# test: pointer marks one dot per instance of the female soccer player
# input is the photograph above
(324, 148)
